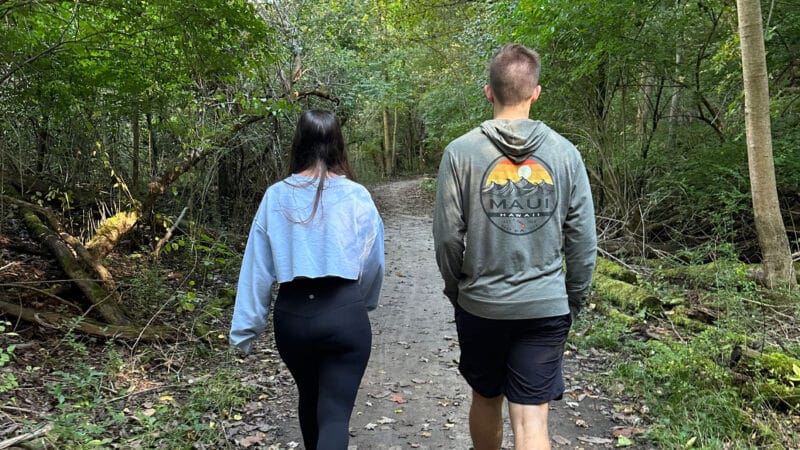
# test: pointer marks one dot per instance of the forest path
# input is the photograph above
(412, 395)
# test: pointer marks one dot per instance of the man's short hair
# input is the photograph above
(514, 74)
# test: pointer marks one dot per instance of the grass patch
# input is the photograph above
(695, 395)
(180, 415)
(428, 184)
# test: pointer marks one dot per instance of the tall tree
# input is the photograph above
(771, 232)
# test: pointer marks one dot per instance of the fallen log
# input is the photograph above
(709, 275)
(105, 301)
(625, 295)
(683, 317)
(110, 232)
(701, 276)
(86, 325)
(84, 256)
(775, 376)
(619, 316)
(615, 271)
(115, 227)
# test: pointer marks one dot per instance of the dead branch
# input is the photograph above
(118, 225)
(87, 325)
(27, 436)
(168, 235)
(43, 292)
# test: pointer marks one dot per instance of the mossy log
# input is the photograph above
(702, 275)
(617, 315)
(708, 275)
(779, 394)
(87, 325)
(625, 295)
(775, 375)
(614, 270)
(115, 227)
(105, 301)
(84, 256)
(110, 231)
(685, 318)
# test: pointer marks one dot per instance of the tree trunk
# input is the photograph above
(771, 232)
(393, 165)
(118, 225)
(110, 232)
(106, 302)
(654, 119)
(644, 107)
(675, 102)
(88, 260)
(41, 143)
(421, 141)
(135, 131)
(386, 157)
(226, 180)
(152, 150)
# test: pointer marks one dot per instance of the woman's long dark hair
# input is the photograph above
(318, 143)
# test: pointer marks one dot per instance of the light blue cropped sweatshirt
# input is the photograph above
(343, 239)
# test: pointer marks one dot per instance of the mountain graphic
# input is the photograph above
(521, 188)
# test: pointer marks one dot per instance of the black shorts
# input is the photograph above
(520, 359)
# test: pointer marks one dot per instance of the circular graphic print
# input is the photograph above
(518, 198)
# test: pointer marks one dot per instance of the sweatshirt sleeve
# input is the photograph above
(449, 227)
(253, 295)
(580, 238)
(373, 267)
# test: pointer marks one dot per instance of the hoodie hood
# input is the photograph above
(516, 138)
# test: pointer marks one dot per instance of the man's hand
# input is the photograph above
(575, 306)
(452, 296)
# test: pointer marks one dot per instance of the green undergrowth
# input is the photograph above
(104, 397)
(136, 395)
(695, 394)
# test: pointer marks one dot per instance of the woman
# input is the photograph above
(318, 235)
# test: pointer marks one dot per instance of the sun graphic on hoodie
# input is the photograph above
(529, 169)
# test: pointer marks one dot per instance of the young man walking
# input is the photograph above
(513, 204)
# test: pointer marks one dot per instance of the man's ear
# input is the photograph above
(487, 91)
(536, 92)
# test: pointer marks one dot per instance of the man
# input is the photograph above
(512, 196)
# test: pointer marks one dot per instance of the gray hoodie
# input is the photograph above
(512, 198)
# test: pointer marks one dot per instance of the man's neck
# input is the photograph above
(520, 111)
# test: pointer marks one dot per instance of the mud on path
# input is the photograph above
(412, 395)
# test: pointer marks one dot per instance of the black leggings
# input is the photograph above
(323, 335)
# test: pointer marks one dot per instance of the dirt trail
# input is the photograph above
(412, 395)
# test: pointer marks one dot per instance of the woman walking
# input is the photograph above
(318, 235)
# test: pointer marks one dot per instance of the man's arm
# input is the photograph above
(580, 240)
(449, 226)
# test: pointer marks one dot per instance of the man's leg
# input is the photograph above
(535, 379)
(486, 422)
(529, 423)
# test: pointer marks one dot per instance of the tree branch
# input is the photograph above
(27, 436)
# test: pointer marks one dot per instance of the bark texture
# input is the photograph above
(771, 232)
